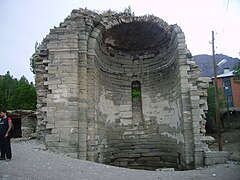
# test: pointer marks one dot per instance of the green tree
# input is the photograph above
(7, 86)
(16, 94)
(24, 95)
(236, 73)
(211, 102)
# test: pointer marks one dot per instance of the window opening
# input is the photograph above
(137, 104)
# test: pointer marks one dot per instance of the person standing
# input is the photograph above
(5, 143)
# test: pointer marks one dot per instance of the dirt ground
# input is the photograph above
(31, 161)
(230, 133)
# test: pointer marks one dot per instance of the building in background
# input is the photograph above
(230, 88)
(24, 123)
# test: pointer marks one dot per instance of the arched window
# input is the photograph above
(136, 89)
(136, 103)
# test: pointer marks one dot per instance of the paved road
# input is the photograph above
(31, 161)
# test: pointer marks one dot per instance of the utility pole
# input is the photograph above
(228, 119)
(217, 116)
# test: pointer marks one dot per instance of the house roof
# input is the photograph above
(227, 74)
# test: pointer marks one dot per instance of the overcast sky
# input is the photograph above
(23, 22)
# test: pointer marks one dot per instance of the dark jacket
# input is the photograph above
(4, 125)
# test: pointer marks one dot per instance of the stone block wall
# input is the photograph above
(215, 157)
(85, 73)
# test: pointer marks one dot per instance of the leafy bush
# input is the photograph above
(236, 73)
(136, 93)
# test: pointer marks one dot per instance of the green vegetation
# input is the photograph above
(236, 73)
(211, 102)
(32, 59)
(32, 64)
(17, 94)
(136, 92)
(128, 10)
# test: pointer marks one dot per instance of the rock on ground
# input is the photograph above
(32, 162)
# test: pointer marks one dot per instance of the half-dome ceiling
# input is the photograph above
(135, 37)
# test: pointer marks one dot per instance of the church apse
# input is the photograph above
(122, 90)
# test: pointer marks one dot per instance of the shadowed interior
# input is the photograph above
(147, 130)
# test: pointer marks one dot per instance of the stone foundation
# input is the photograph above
(215, 157)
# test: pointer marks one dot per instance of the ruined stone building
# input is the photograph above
(24, 123)
(122, 90)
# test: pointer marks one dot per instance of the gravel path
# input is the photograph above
(31, 161)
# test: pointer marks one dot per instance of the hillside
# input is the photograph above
(205, 63)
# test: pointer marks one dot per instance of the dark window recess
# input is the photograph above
(136, 104)
(228, 91)
(16, 132)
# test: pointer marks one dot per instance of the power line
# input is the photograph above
(225, 16)
(224, 22)
(227, 6)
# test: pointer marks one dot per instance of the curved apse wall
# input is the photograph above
(122, 90)
(144, 132)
